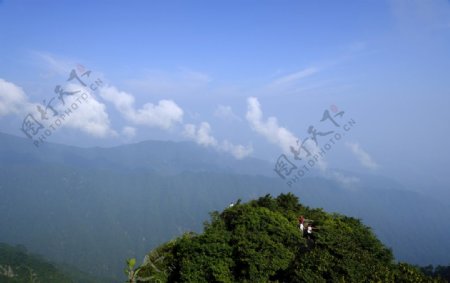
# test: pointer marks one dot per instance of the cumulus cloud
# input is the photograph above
(226, 113)
(202, 135)
(12, 98)
(363, 157)
(87, 115)
(163, 115)
(269, 128)
(90, 116)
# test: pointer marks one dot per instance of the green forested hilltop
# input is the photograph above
(260, 241)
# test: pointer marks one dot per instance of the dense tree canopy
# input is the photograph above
(260, 241)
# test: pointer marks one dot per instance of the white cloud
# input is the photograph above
(364, 158)
(270, 128)
(87, 115)
(226, 113)
(163, 115)
(90, 116)
(238, 151)
(12, 98)
(202, 135)
(280, 136)
(294, 77)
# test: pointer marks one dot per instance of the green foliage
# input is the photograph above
(439, 272)
(259, 242)
(17, 266)
(407, 273)
(131, 272)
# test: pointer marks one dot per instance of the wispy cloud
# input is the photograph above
(294, 77)
(278, 135)
(303, 81)
(269, 129)
(53, 65)
(345, 181)
(201, 134)
(165, 114)
(363, 157)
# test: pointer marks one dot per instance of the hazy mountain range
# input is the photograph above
(94, 207)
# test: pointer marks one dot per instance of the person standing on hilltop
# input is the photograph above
(301, 221)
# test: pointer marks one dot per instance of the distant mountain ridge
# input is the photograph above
(162, 157)
(93, 207)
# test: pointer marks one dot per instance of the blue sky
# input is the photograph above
(190, 71)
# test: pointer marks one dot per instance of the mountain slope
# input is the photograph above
(16, 265)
